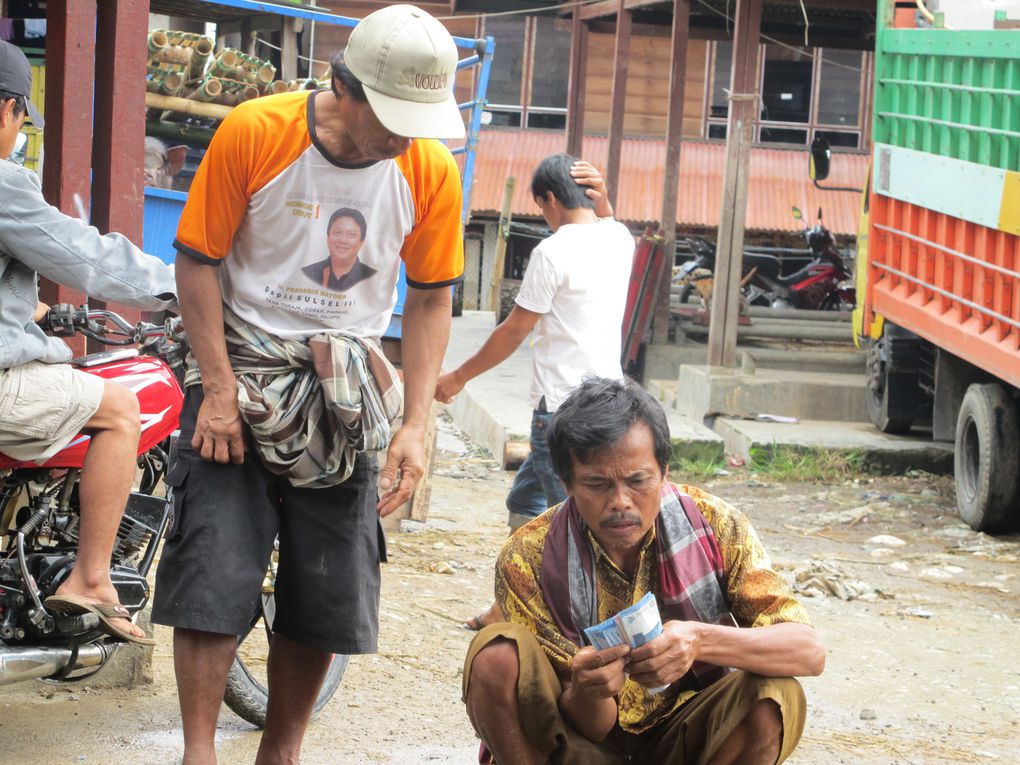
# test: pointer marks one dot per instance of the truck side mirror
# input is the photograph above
(818, 170)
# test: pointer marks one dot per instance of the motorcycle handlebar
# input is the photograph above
(107, 327)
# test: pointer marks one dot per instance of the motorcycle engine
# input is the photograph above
(781, 303)
(50, 571)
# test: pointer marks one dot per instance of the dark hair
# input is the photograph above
(349, 212)
(20, 105)
(351, 83)
(599, 413)
(553, 175)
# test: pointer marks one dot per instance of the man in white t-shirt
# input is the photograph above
(574, 294)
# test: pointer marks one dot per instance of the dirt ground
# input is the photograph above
(922, 660)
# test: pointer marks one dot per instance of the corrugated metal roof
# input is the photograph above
(778, 180)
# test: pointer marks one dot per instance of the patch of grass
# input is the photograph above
(806, 465)
(695, 470)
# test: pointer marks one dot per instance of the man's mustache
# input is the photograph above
(622, 519)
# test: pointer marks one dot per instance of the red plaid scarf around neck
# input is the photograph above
(691, 583)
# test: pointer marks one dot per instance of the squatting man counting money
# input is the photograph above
(733, 636)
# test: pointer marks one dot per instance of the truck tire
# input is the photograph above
(985, 458)
(247, 695)
(878, 397)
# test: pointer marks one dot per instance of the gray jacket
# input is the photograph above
(36, 238)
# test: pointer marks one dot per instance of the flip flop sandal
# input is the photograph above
(72, 605)
(474, 623)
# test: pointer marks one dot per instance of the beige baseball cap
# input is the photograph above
(406, 61)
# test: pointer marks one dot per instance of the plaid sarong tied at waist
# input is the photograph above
(311, 406)
(691, 582)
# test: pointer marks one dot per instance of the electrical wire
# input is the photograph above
(520, 11)
(780, 43)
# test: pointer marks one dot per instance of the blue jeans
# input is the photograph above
(536, 488)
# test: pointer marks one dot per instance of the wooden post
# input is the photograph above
(576, 83)
(289, 49)
(502, 235)
(622, 61)
(118, 152)
(118, 148)
(69, 86)
(722, 333)
(674, 134)
(70, 45)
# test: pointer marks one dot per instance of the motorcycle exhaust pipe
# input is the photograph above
(36, 663)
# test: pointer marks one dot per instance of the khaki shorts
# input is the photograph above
(43, 407)
(689, 736)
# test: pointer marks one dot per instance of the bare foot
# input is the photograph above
(491, 615)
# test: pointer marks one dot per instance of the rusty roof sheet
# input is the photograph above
(778, 180)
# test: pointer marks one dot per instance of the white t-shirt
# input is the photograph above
(577, 279)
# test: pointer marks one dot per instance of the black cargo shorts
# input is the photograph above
(226, 519)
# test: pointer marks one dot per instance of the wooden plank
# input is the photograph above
(502, 235)
(419, 505)
(621, 59)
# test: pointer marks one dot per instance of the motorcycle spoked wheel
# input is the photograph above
(247, 692)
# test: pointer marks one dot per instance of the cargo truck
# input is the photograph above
(938, 266)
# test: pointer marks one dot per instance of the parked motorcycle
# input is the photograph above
(820, 285)
(40, 519)
(696, 276)
(823, 284)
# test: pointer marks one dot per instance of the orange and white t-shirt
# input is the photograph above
(261, 202)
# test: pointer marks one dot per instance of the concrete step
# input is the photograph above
(839, 361)
(779, 329)
(663, 361)
(878, 451)
(692, 440)
(718, 392)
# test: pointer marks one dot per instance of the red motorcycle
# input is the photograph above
(39, 521)
(823, 284)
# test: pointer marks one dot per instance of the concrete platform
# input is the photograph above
(691, 439)
(807, 395)
(881, 453)
(493, 408)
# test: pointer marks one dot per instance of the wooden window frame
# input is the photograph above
(862, 130)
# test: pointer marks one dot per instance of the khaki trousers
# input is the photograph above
(690, 736)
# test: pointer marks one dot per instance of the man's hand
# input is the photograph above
(218, 434)
(668, 657)
(589, 700)
(585, 174)
(598, 674)
(448, 386)
(406, 457)
(41, 309)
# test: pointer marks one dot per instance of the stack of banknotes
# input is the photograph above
(635, 625)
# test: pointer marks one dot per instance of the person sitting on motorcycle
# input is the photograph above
(44, 401)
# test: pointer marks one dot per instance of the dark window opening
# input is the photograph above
(548, 121)
(838, 138)
(783, 135)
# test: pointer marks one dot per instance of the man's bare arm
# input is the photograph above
(218, 425)
(779, 650)
(425, 333)
(503, 341)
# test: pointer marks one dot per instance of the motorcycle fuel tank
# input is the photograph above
(159, 397)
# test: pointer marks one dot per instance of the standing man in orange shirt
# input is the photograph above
(263, 453)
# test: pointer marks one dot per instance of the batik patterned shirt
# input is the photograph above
(757, 595)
